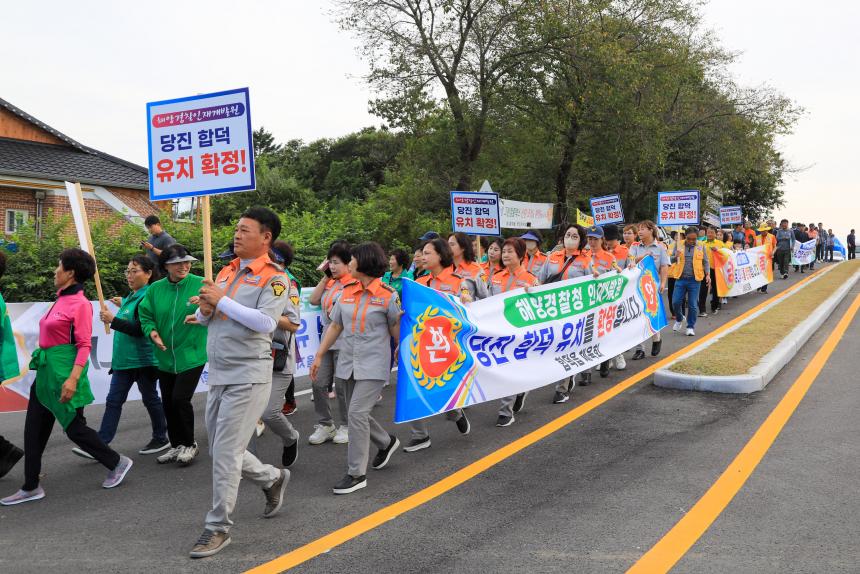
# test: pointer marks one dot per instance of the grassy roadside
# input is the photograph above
(744, 348)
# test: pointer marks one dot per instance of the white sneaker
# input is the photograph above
(677, 326)
(690, 332)
(188, 454)
(261, 427)
(342, 435)
(169, 456)
(322, 434)
(620, 363)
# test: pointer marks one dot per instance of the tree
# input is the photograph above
(264, 143)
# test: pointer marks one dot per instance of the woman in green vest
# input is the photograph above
(133, 359)
(180, 348)
(9, 453)
(62, 389)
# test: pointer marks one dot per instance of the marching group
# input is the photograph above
(243, 325)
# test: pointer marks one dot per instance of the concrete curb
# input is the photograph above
(763, 373)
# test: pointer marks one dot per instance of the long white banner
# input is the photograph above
(803, 253)
(453, 355)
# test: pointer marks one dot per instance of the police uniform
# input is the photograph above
(363, 364)
(660, 255)
(533, 263)
(475, 272)
(239, 379)
(556, 261)
(325, 378)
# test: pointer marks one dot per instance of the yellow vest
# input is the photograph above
(698, 262)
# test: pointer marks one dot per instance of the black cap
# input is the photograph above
(429, 236)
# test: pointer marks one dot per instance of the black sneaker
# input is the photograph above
(463, 423)
(519, 402)
(350, 484)
(154, 446)
(504, 421)
(384, 454)
(604, 369)
(290, 455)
(560, 397)
(640, 354)
(9, 459)
(585, 380)
(417, 444)
(655, 347)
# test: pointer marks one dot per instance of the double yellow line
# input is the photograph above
(383, 515)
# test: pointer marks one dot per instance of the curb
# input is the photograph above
(772, 363)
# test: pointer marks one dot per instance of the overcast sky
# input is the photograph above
(88, 68)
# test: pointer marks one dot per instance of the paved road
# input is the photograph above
(592, 497)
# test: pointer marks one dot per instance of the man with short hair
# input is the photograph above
(784, 244)
(242, 309)
(158, 238)
(852, 245)
(692, 267)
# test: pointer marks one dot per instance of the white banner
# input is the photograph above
(26, 330)
(678, 207)
(453, 355)
(731, 215)
(803, 253)
(607, 209)
(524, 215)
(740, 272)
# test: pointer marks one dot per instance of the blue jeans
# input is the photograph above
(688, 287)
(121, 382)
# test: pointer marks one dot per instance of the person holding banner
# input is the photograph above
(439, 262)
(513, 276)
(241, 310)
(133, 360)
(61, 389)
(325, 295)
(464, 261)
(570, 261)
(180, 349)
(767, 239)
(534, 259)
(493, 264)
(364, 317)
(802, 236)
(9, 369)
(629, 236)
(650, 247)
(711, 245)
(691, 267)
(601, 261)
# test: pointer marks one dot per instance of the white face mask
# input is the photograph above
(571, 243)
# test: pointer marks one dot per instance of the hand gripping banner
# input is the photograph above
(453, 355)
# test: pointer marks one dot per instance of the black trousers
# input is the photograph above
(177, 389)
(37, 430)
(852, 252)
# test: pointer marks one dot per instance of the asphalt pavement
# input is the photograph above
(591, 497)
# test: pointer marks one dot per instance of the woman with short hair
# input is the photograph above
(397, 270)
(61, 389)
(365, 315)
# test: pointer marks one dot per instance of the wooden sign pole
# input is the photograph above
(79, 199)
(207, 238)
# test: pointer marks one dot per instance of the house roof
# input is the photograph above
(73, 161)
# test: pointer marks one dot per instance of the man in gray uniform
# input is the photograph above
(241, 308)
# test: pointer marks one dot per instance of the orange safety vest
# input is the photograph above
(533, 263)
(504, 281)
(556, 260)
(603, 261)
(448, 281)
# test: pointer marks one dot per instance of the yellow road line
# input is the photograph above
(383, 515)
(675, 544)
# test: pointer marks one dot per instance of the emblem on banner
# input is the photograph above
(650, 293)
(436, 350)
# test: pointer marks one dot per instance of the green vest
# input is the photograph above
(9, 368)
(53, 366)
(130, 352)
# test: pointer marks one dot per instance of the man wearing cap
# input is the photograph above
(691, 267)
(534, 259)
(241, 308)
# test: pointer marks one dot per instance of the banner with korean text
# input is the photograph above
(525, 215)
(453, 355)
(803, 253)
(740, 272)
(678, 207)
(607, 209)
(475, 213)
(584, 219)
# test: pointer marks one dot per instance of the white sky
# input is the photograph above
(88, 68)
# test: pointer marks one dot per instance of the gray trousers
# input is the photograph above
(322, 404)
(231, 417)
(273, 417)
(506, 405)
(420, 429)
(656, 337)
(361, 397)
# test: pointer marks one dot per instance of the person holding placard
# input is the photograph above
(180, 349)
(242, 309)
(325, 295)
(61, 389)
(650, 247)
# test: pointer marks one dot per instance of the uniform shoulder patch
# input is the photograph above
(387, 287)
(278, 287)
